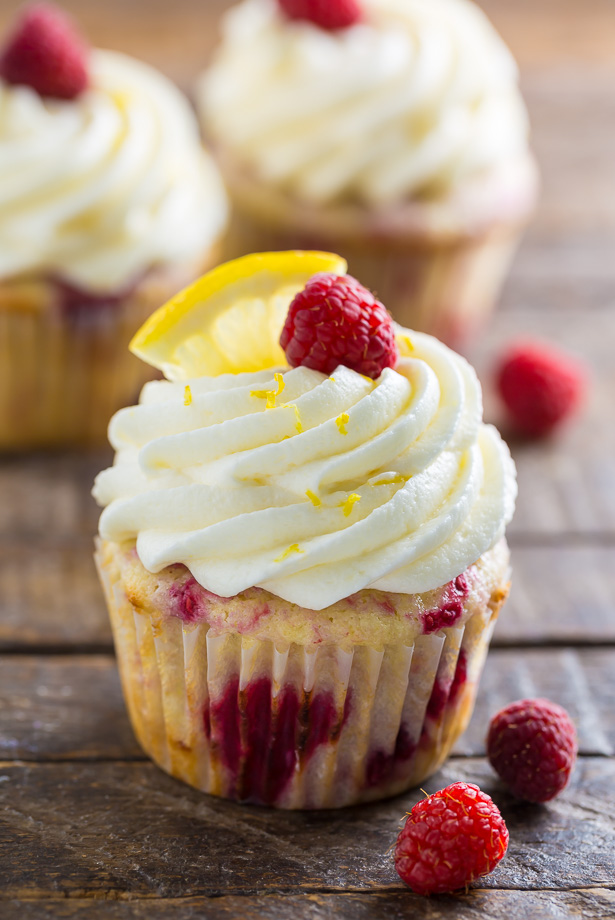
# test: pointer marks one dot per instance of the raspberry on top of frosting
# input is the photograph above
(328, 14)
(335, 320)
(46, 53)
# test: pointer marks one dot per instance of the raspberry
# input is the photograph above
(46, 53)
(540, 386)
(532, 745)
(328, 14)
(449, 839)
(335, 320)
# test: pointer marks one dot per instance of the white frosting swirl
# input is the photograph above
(101, 188)
(415, 100)
(393, 484)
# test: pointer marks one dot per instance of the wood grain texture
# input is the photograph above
(63, 708)
(51, 596)
(586, 903)
(559, 594)
(71, 708)
(47, 497)
(112, 830)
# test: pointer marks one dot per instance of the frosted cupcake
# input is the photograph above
(303, 566)
(392, 131)
(107, 205)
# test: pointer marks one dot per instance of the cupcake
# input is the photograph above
(392, 131)
(303, 563)
(108, 205)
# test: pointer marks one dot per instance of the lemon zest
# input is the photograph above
(270, 395)
(349, 503)
(187, 396)
(313, 498)
(341, 421)
(396, 480)
(332, 379)
(298, 424)
(122, 99)
(293, 548)
(404, 339)
(279, 379)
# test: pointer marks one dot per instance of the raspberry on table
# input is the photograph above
(532, 745)
(46, 53)
(335, 320)
(540, 386)
(328, 14)
(450, 839)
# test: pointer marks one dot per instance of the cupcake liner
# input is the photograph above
(447, 288)
(438, 266)
(65, 369)
(296, 727)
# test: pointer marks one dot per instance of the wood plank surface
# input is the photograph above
(63, 708)
(587, 903)
(89, 828)
(71, 708)
(126, 830)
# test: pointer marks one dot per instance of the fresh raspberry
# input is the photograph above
(328, 14)
(335, 320)
(46, 53)
(449, 839)
(532, 745)
(540, 386)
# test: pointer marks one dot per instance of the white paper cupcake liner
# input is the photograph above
(299, 727)
(438, 267)
(64, 370)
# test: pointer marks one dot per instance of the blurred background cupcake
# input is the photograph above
(392, 131)
(108, 205)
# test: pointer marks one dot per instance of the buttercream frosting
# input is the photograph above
(312, 487)
(417, 99)
(101, 188)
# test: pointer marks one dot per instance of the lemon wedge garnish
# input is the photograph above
(229, 321)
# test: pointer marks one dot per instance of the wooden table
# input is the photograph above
(89, 828)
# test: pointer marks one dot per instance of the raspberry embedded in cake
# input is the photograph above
(450, 609)
(263, 739)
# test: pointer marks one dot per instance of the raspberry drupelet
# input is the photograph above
(46, 53)
(532, 745)
(335, 320)
(450, 839)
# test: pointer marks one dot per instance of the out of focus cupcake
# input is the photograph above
(108, 204)
(303, 564)
(392, 131)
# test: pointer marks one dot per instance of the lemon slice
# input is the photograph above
(229, 321)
